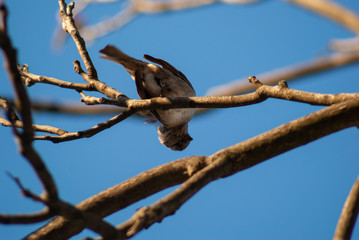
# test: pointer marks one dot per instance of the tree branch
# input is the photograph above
(263, 92)
(88, 132)
(288, 73)
(35, 127)
(333, 11)
(221, 164)
(30, 79)
(247, 154)
(26, 138)
(137, 7)
(68, 24)
(349, 214)
(26, 218)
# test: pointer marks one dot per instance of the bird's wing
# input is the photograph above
(143, 93)
(168, 67)
(140, 89)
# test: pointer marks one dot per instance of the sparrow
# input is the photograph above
(162, 80)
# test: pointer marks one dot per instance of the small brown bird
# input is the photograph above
(155, 81)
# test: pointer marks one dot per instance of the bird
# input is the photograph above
(159, 80)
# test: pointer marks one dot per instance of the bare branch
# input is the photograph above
(26, 218)
(124, 194)
(98, 85)
(221, 164)
(349, 214)
(136, 7)
(287, 73)
(234, 88)
(333, 11)
(30, 79)
(89, 132)
(247, 154)
(68, 24)
(35, 127)
(26, 138)
(50, 196)
(263, 92)
(8, 108)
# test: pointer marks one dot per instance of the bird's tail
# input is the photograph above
(176, 138)
(114, 54)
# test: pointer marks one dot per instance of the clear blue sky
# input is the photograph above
(297, 195)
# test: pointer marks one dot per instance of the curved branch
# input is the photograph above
(26, 137)
(247, 154)
(263, 92)
(124, 194)
(26, 218)
(225, 163)
(146, 7)
(288, 73)
(349, 214)
(89, 132)
(333, 11)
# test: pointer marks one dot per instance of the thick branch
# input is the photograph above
(225, 162)
(123, 195)
(349, 214)
(247, 154)
(25, 140)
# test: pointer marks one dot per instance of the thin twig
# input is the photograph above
(263, 92)
(287, 73)
(88, 132)
(136, 7)
(30, 79)
(26, 218)
(68, 24)
(35, 127)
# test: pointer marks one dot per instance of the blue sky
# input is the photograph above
(297, 195)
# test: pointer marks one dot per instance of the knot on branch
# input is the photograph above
(139, 219)
(77, 67)
(282, 84)
(255, 81)
(69, 9)
(29, 82)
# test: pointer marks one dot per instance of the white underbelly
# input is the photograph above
(176, 117)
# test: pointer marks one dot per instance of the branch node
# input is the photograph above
(139, 221)
(24, 68)
(77, 67)
(69, 9)
(29, 82)
(255, 81)
(4, 14)
(282, 84)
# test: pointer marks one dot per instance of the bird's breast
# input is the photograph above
(175, 117)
